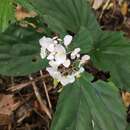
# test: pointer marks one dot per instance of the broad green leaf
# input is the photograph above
(66, 15)
(128, 127)
(20, 52)
(6, 13)
(83, 102)
(111, 52)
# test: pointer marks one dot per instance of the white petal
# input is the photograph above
(42, 41)
(67, 40)
(66, 63)
(71, 78)
(60, 58)
(50, 70)
(51, 47)
(53, 64)
(53, 72)
(59, 48)
(55, 41)
(45, 41)
(50, 56)
(67, 79)
(60, 55)
(63, 81)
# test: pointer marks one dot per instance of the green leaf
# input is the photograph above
(6, 13)
(82, 40)
(111, 52)
(67, 15)
(83, 102)
(128, 127)
(20, 52)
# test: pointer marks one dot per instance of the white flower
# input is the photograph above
(75, 53)
(67, 79)
(84, 59)
(57, 55)
(67, 40)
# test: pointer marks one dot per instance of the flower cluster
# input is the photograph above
(61, 68)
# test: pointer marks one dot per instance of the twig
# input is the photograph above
(43, 106)
(28, 105)
(28, 126)
(46, 92)
(9, 126)
(23, 85)
(104, 7)
(12, 80)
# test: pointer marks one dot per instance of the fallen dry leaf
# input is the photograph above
(126, 98)
(22, 13)
(7, 104)
(124, 8)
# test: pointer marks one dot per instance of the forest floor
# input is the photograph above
(29, 102)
